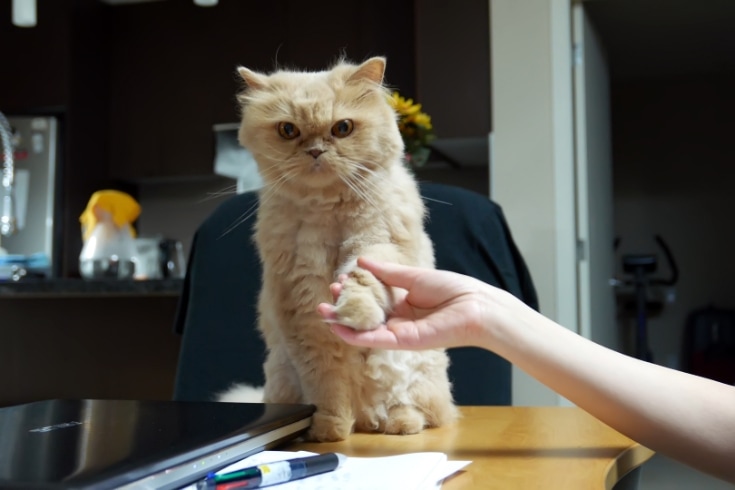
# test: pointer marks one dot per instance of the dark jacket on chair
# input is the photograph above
(217, 311)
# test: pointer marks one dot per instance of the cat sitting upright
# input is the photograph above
(330, 154)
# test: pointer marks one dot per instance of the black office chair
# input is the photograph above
(217, 310)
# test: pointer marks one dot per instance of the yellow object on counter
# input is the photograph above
(123, 208)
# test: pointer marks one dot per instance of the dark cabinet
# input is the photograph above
(138, 87)
(173, 68)
(35, 61)
(147, 81)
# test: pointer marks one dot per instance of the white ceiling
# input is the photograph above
(651, 38)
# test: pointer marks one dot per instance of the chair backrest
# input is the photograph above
(217, 311)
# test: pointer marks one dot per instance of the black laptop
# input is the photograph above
(101, 444)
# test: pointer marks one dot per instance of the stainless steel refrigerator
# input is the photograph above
(36, 187)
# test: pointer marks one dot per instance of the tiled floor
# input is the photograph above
(662, 473)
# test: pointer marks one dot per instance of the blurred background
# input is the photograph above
(137, 88)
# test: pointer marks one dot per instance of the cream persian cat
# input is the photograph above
(335, 188)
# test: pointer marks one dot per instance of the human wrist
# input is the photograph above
(497, 320)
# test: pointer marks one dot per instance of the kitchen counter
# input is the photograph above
(71, 287)
(73, 338)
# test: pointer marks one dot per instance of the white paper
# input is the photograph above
(413, 471)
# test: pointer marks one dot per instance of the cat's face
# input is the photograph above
(319, 129)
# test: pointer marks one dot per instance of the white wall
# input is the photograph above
(532, 174)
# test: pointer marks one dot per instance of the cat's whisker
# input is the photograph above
(368, 189)
(227, 191)
(240, 220)
(253, 209)
(356, 167)
(276, 66)
(268, 172)
(278, 151)
(362, 188)
(281, 176)
(377, 177)
(272, 189)
(289, 174)
(365, 184)
(374, 182)
(436, 200)
(362, 168)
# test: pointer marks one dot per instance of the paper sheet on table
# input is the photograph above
(417, 471)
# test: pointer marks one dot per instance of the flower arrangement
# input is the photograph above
(415, 127)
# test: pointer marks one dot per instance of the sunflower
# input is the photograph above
(415, 127)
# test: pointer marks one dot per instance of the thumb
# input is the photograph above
(395, 275)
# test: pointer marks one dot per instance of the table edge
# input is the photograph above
(633, 457)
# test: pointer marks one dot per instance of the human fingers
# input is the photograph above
(335, 288)
(427, 288)
(379, 338)
(327, 312)
(392, 274)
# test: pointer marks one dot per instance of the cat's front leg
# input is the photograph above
(328, 377)
(281, 379)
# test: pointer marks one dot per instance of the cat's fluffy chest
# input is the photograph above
(292, 238)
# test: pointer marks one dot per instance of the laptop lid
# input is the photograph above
(104, 444)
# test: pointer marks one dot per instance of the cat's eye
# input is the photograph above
(288, 130)
(343, 128)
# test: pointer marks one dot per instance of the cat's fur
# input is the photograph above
(326, 200)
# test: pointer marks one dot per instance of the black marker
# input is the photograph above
(266, 474)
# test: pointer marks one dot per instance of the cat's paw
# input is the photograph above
(363, 301)
(357, 308)
(404, 419)
(328, 428)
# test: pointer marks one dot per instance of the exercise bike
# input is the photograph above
(640, 267)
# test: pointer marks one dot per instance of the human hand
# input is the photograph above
(440, 309)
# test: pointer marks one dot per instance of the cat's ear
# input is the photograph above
(372, 70)
(251, 78)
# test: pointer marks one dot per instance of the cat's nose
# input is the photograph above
(315, 152)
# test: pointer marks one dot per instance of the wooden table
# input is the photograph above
(514, 448)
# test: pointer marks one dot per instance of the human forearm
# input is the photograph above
(686, 417)
(689, 418)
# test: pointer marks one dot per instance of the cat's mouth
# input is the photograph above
(319, 165)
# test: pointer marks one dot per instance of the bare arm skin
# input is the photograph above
(686, 417)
